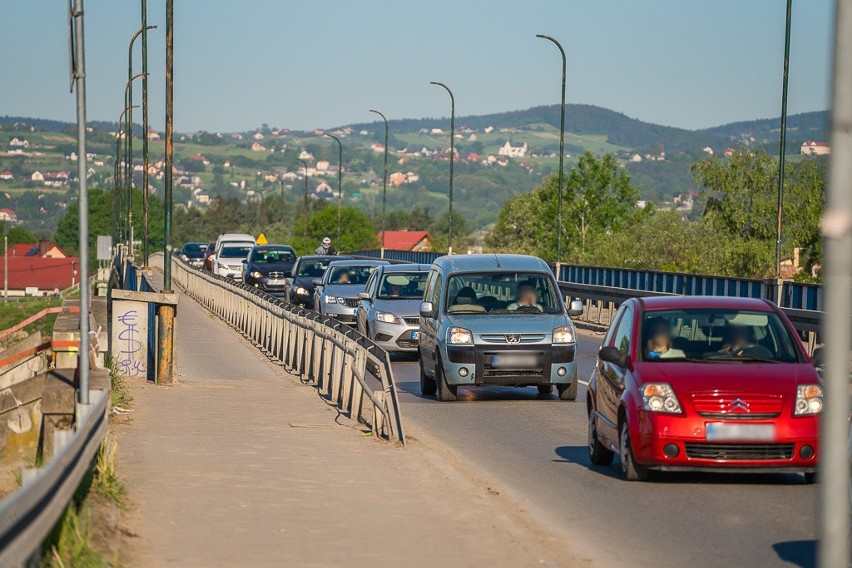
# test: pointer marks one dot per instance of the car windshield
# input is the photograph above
(716, 335)
(235, 251)
(402, 286)
(194, 250)
(350, 274)
(502, 293)
(272, 256)
(313, 268)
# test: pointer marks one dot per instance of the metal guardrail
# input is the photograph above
(317, 348)
(416, 257)
(28, 515)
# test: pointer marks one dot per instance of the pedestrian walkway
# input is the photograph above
(240, 464)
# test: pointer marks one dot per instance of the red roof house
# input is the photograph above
(46, 274)
(407, 240)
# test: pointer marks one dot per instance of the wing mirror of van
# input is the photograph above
(611, 354)
(818, 358)
(364, 296)
(427, 310)
(575, 308)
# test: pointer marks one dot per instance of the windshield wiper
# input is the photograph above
(744, 357)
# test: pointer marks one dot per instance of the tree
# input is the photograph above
(17, 235)
(357, 231)
(598, 199)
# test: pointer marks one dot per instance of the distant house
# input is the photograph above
(153, 135)
(396, 179)
(42, 266)
(707, 150)
(8, 215)
(199, 158)
(258, 136)
(258, 147)
(488, 129)
(41, 249)
(376, 147)
(636, 158)
(814, 148)
(6, 175)
(406, 240)
(307, 156)
(322, 166)
(18, 142)
(513, 151)
(37, 176)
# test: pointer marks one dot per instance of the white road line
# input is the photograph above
(582, 382)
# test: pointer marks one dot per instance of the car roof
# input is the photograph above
(277, 247)
(323, 257)
(351, 262)
(679, 302)
(503, 262)
(395, 268)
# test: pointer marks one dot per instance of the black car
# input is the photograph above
(193, 253)
(268, 267)
(300, 286)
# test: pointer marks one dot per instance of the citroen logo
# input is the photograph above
(513, 338)
(738, 404)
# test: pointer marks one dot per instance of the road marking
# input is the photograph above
(582, 382)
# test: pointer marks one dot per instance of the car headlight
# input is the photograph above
(659, 397)
(300, 291)
(459, 336)
(564, 334)
(331, 299)
(808, 400)
(387, 317)
(256, 274)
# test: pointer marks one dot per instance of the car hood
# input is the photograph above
(685, 377)
(399, 308)
(305, 282)
(267, 268)
(519, 323)
(344, 290)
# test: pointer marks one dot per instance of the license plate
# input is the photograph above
(415, 335)
(276, 282)
(520, 361)
(723, 431)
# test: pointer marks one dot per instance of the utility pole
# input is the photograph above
(5, 269)
(145, 29)
(305, 164)
(128, 97)
(561, 150)
(78, 72)
(339, 182)
(836, 226)
(452, 160)
(384, 180)
(166, 312)
(783, 150)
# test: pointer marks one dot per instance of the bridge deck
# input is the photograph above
(242, 465)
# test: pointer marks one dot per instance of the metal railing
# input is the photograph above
(28, 515)
(318, 349)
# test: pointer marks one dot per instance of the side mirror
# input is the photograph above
(427, 310)
(612, 355)
(245, 261)
(576, 308)
(316, 282)
(288, 273)
(364, 296)
(818, 358)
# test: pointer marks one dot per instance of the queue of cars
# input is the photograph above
(680, 383)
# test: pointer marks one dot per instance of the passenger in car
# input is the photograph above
(525, 297)
(659, 345)
(465, 301)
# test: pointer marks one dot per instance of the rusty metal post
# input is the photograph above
(165, 343)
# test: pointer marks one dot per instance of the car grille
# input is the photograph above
(735, 452)
(510, 337)
(738, 406)
(275, 275)
(351, 302)
(411, 321)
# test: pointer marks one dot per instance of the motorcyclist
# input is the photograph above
(325, 249)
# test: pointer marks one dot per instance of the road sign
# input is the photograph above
(104, 247)
(262, 240)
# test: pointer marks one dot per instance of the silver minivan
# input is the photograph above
(495, 319)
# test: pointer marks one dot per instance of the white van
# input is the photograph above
(228, 245)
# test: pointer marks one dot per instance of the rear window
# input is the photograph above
(273, 256)
(313, 268)
(235, 251)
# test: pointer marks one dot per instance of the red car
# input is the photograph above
(208, 257)
(704, 383)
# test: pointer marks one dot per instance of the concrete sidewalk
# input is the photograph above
(242, 465)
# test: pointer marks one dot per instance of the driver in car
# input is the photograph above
(740, 342)
(525, 297)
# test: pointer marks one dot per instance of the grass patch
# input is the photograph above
(106, 483)
(16, 311)
(119, 393)
(73, 546)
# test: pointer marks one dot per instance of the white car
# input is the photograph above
(230, 259)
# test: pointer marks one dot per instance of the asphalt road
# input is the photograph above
(535, 447)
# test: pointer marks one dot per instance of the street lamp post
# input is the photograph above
(452, 159)
(118, 178)
(305, 164)
(339, 181)
(561, 149)
(145, 28)
(128, 162)
(783, 149)
(384, 179)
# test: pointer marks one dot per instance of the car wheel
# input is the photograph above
(598, 453)
(631, 470)
(569, 391)
(544, 389)
(428, 386)
(446, 391)
(810, 477)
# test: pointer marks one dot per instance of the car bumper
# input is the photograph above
(471, 365)
(340, 312)
(395, 337)
(229, 273)
(262, 284)
(675, 443)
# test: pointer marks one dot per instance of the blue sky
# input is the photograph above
(323, 63)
